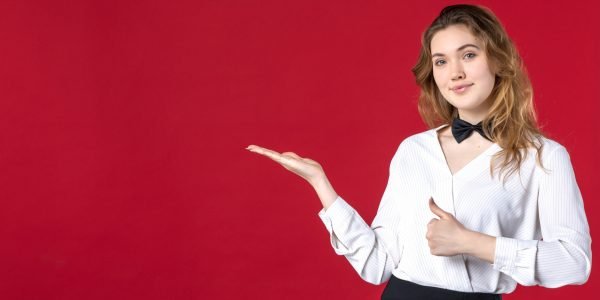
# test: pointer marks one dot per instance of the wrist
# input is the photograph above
(469, 242)
(319, 181)
(324, 190)
(479, 245)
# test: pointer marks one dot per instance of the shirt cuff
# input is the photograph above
(339, 213)
(338, 210)
(337, 219)
(516, 258)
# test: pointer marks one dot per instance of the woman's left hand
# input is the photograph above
(446, 236)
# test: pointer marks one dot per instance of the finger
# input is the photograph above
(263, 151)
(430, 224)
(255, 148)
(309, 160)
(274, 155)
(252, 147)
(292, 154)
(437, 210)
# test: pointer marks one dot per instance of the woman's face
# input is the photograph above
(461, 71)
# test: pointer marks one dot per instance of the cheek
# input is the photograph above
(488, 78)
(438, 77)
(483, 72)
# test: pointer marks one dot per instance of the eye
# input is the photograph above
(439, 62)
(470, 55)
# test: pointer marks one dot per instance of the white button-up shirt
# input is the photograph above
(537, 216)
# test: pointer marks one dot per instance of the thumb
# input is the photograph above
(437, 210)
(292, 154)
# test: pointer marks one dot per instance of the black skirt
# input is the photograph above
(398, 289)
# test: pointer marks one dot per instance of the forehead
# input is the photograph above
(451, 38)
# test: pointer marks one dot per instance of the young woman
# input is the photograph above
(469, 210)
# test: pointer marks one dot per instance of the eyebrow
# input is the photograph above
(459, 48)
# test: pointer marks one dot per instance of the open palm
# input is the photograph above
(306, 168)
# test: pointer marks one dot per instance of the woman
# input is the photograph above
(469, 210)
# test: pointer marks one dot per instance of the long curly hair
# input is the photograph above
(511, 121)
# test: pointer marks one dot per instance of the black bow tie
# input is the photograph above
(463, 129)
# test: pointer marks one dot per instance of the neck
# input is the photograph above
(472, 116)
(475, 114)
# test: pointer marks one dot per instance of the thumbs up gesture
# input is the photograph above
(446, 236)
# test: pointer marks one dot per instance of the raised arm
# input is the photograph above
(373, 251)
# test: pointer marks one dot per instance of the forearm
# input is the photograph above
(553, 263)
(362, 245)
(479, 245)
(325, 191)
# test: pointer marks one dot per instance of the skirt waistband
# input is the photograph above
(398, 289)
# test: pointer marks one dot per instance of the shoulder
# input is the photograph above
(554, 156)
(552, 149)
(417, 144)
(418, 140)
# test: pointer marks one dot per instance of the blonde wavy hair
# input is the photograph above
(511, 121)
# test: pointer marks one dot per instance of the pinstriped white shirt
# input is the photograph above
(537, 216)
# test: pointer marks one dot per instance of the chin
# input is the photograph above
(466, 105)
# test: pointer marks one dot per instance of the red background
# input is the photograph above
(123, 125)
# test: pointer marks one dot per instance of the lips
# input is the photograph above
(459, 89)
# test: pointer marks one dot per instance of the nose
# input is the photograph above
(458, 71)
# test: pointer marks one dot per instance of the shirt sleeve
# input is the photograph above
(373, 251)
(564, 255)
